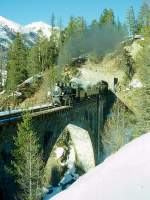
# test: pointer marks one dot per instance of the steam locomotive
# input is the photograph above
(77, 61)
(68, 94)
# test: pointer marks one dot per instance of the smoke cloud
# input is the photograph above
(93, 40)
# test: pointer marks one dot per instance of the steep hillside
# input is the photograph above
(122, 124)
(130, 64)
(136, 94)
(113, 65)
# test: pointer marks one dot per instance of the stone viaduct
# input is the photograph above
(51, 124)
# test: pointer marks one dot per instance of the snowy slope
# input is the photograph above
(10, 24)
(39, 26)
(123, 176)
(8, 30)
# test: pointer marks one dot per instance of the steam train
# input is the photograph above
(68, 94)
(77, 61)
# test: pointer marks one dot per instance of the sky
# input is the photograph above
(27, 11)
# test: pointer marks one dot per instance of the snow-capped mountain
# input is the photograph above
(39, 26)
(10, 24)
(8, 30)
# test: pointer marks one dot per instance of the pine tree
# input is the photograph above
(107, 18)
(75, 26)
(27, 164)
(52, 22)
(80, 24)
(17, 63)
(43, 54)
(52, 79)
(122, 28)
(52, 50)
(94, 24)
(1, 69)
(70, 30)
(144, 18)
(35, 59)
(61, 38)
(131, 21)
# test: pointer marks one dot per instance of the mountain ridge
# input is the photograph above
(16, 27)
(9, 28)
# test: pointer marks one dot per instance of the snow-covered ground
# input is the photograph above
(135, 83)
(122, 176)
(70, 175)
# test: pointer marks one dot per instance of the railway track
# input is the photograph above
(14, 115)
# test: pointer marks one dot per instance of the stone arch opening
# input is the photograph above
(72, 149)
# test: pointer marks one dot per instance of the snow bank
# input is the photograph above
(69, 177)
(59, 152)
(123, 176)
(135, 83)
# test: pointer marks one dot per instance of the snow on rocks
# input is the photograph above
(12, 25)
(17, 94)
(69, 177)
(8, 30)
(33, 27)
(122, 176)
(59, 152)
(71, 158)
(39, 26)
(52, 192)
(135, 83)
